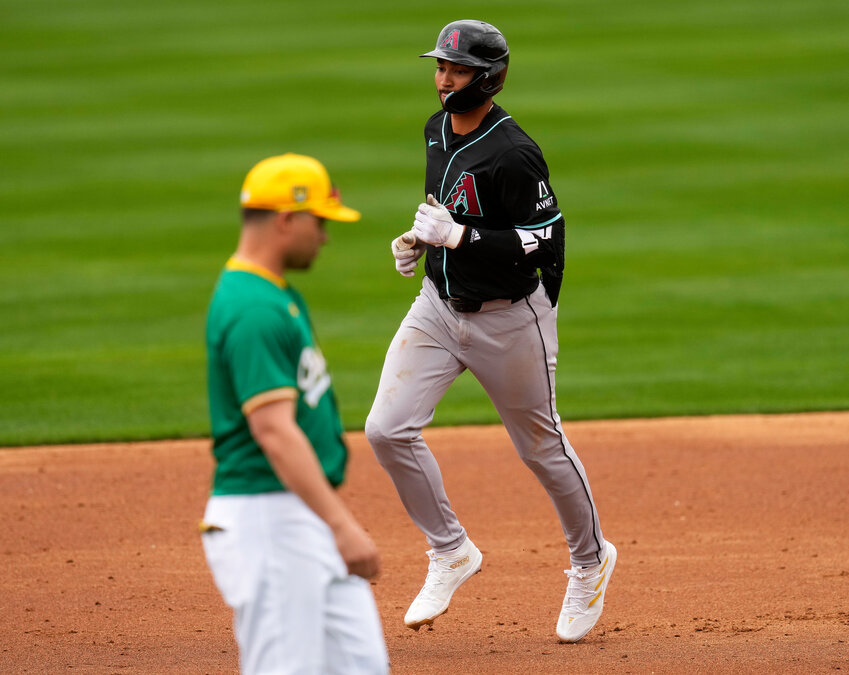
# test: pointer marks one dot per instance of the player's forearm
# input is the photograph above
(541, 247)
(292, 457)
(536, 248)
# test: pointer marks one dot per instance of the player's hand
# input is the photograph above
(434, 225)
(406, 257)
(357, 550)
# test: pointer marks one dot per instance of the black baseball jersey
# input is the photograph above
(494, 180)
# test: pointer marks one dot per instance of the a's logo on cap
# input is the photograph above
(453, 40)
(246, 196)
(299, 193)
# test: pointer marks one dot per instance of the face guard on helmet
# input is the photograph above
(480, 45)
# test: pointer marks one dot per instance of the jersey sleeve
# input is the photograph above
(526, 196)
(537, 237)
(529, 205)
(262, 354)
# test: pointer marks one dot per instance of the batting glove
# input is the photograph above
(407, 257)
(434, 225)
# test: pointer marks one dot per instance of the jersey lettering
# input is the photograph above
(545, 203)
(545, 200)
(313, 379)
(463, 198)
(452, 40)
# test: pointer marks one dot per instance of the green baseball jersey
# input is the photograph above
(260, 348)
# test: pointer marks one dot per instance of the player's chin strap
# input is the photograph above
(484, 85)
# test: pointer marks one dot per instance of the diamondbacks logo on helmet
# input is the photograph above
(452, 41)
(463, 198)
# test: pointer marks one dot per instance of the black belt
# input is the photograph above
(464, 305)
(468, 306)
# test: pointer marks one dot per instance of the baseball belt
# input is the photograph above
(464, 305)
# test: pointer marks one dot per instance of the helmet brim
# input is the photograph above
(453, 56)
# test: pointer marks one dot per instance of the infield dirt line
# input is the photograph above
(732, 530)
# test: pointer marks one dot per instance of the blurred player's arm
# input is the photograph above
(291, 455)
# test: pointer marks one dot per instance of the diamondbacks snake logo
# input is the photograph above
(463, 198)
(451, 41)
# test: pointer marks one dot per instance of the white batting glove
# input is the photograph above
(407, 257)
(434, 225)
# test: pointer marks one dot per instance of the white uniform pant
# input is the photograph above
(511, 348)
(296, 608)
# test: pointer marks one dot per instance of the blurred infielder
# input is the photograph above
(285, 552)
(490, 221)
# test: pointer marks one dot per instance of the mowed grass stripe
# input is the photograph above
(697, 151)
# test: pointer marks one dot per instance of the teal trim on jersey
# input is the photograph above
(445, 175)
(537, 226)
(442, 186)
(445, 269)
(444, 142)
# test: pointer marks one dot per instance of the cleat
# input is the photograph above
(585, 597)
(446, 572)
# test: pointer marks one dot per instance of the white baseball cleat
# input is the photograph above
(585, 596)
(445, 573)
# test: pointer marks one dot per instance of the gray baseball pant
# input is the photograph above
(511, 348)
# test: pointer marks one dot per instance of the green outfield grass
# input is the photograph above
(699, 150)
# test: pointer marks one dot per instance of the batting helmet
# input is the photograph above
(480, 45)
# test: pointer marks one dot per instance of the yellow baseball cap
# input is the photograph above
(293, 182)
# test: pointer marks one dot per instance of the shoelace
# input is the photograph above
(580, 590)
(435, 568)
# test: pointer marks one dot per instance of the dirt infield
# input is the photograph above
(733, 537)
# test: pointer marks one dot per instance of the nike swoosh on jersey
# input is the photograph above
(431, 142)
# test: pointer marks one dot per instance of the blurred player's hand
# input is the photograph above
(357, 550)
(434, 225)
(407, 257)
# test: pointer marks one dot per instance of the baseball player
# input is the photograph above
(489, 223)
(285, 552)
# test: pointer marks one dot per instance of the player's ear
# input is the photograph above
(282, 221)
